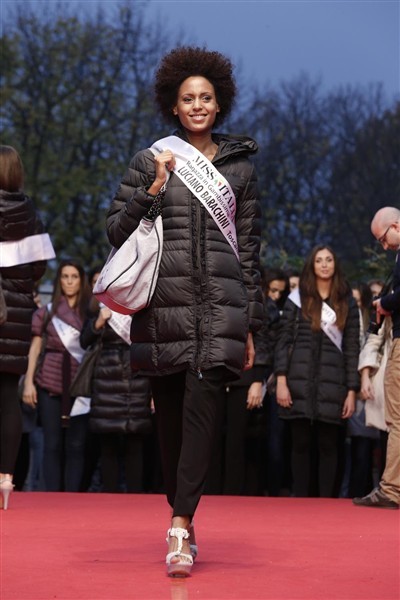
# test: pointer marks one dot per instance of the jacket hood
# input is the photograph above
(237, 143)
(17, 215)
(228, 145)
(10, 196)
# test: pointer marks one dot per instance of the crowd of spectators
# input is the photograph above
(252, 455)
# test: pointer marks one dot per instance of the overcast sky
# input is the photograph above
(340, 41)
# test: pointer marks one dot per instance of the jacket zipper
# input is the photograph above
(199, 215)
(314, 403)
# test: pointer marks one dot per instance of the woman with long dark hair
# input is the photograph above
(54, 357)
(316, 367)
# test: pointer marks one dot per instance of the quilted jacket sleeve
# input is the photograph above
(248, 230)
(131, 201)
(285, 338)
(351, 346)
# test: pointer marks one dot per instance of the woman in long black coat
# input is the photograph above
(197, 332)
(18, 220)
(316, 366)
(120, 406)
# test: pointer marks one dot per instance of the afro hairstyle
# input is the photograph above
(190, 61)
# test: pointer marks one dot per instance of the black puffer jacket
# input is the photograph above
(319, 375)
(18, 220)
(120, 399)
(205, 301)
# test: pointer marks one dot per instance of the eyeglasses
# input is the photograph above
(382, 239)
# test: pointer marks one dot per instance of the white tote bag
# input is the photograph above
(128, 279)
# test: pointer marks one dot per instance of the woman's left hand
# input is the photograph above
(254, 395)
(250, 353)
(349, 405)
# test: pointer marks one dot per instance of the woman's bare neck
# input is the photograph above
(204, 143)
(324, 289)
(71, 301)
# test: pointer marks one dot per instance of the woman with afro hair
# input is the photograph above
(196, 334)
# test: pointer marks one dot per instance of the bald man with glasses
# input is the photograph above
(385, 227)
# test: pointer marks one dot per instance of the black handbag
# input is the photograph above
(81, 385)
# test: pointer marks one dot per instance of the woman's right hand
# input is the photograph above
(283, 396)
(165, 161)
(29, 394)
(104, 315)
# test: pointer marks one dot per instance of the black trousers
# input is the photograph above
(314, 445)
(10, 422)
(64, 447)
(244, 436)
(122, 452)
(188, 411)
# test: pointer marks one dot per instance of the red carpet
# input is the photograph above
(111, 547)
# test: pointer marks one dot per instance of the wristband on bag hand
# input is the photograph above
(156, 207)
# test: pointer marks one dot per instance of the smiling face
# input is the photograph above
(196, 105)
(324, 265)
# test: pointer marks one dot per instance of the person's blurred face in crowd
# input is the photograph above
(294, 282)
(276, 289)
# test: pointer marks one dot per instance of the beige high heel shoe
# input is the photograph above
(181, 568)
(6, 487)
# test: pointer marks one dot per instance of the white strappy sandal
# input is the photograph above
(181, 568)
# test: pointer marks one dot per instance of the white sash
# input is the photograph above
(328, 320)
(26, 250)
(205, 182)
(81, 406)
(70, 338)
(68, 335)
